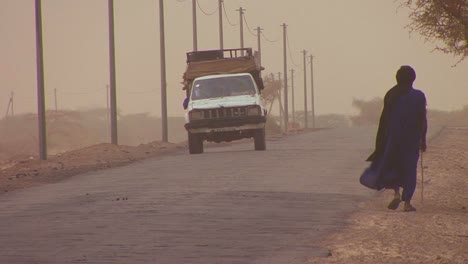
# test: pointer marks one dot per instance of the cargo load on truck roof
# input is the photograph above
(227, 61)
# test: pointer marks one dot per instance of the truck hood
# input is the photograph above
(230, 101)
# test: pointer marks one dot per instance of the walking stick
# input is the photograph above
(422, 178)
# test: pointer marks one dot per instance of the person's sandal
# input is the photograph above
(393, 205)
(408, 208)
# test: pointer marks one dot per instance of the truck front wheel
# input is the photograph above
(195, 143)
(259, 139)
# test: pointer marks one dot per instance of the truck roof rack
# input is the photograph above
(207, 55)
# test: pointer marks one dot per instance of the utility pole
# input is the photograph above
(272, 76)
(279, 99)
(259, 31)
(273, 99)
(163, 72)
(312, 89)
(8, 108)
(306, 123)
(241, 23)
(194, 23)
(113, 93)
(285, 58)
(221, 37)
(107, 107)
(292, 96)
(40, 83)
(55, 99)
(12, 105)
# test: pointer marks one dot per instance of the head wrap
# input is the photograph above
(406, 75)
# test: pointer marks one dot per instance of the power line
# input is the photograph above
(248, 27)
(227, 17)
(204, 12)
(269, 40)
(290, 54)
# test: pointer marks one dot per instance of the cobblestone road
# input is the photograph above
(228, 205)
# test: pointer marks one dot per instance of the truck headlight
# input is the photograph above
(196, 115)
(253, 110)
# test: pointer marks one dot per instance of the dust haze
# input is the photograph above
(357, 48)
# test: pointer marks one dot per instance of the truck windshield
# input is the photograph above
(223, 87)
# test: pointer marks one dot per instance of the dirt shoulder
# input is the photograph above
(436, 233)
(19, 174)
(28, 172)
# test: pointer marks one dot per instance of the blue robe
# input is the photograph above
(405, 128)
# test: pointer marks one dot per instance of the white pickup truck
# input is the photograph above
(223, 107)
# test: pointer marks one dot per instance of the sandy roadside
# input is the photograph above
(436, 233)
(23, 173)
(19, 174)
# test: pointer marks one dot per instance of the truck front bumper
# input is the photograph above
(223, 125)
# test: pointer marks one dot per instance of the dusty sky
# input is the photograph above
(358, 46)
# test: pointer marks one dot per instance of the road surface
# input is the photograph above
(228, 205)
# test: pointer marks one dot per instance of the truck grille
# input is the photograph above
(224, 112)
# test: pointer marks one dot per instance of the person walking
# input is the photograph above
(401, 136)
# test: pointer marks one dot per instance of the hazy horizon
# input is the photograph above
(357, 50)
